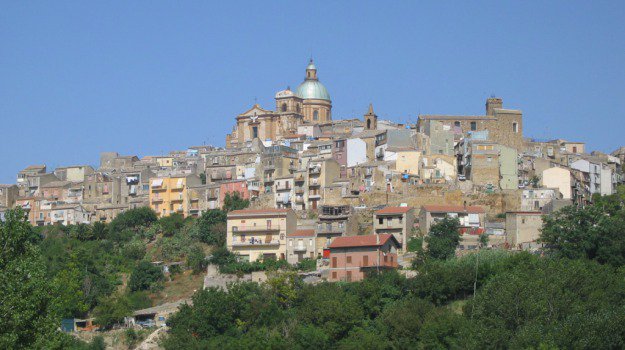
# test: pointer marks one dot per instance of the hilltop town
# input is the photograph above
(334, 199)
(331, 178)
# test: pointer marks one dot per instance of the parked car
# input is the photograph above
(461, 177)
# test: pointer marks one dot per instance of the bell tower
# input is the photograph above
(371, 120)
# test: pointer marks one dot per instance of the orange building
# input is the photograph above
(352, 256)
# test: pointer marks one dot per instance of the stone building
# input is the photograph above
(505, 126)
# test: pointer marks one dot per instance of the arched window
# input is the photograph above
(297, 108)
(283, 108)
(368, 123)
(316, 115)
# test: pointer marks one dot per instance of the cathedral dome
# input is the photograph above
(311, 88)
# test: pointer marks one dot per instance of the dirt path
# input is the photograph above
(151, 342)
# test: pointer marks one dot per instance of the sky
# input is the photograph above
(147, 77)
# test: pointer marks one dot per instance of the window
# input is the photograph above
(365, 260)
(489, 159)
(334, 275)
(316, 115)
(473, 126)
(380, 221)
(283, 108)
(515, 127)
(255, 132)
(349, 259)
(457, 124)
(368, 123)
(401, 219)
(349, 276)
(334, 264)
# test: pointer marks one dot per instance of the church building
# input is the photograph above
(309, 104)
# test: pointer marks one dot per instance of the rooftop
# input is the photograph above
(393, 210)
(362, 241)
(244, 212)
(302, 233)
(453, 209)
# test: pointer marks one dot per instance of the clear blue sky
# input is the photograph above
(145, 77)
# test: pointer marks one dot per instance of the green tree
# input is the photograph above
(573, 232)
(171, 224)
(234, 201)
(145, 276)
(132, 219)
(111, 311)
(27, 308)
(210, 227)
(68, 286)
(443, 238)
(196, 259)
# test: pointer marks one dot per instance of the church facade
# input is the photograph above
(310, 103)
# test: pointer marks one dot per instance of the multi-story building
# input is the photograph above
(505, 126)
(398, 221)
(351, 257)
(74, 173)
(333, 221)
(321, 173)
(8, 194)
(260, 234)
(301, 245)
(69, 214)
(310, 103)
(471, 218)
(523, 229)
(170, 195)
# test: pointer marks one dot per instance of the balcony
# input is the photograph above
(299, 178)
(314, 183)
(283, 187)
(333, 229)
(157, 199)
(299, 190)
(315, 170)
(300, 248)
(250, 229)
(299, 199)
(314, 196)
(256, 243)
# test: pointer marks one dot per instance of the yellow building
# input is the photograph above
(170, 195)
(259, 234)
(408, 161)
(165, 162)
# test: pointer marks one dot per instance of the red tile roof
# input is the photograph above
(473, 209)
(258, 211)
(361, 241)
(393, 210)
(302, 233)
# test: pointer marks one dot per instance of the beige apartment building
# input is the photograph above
(523, 229)
(260, 234)
(398, 221)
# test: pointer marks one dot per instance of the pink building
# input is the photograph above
(352, 256)
(231, 187)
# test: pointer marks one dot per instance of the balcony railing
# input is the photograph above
(255, 243)
(299, 190)
(247, 229)
(283, 187)
(330, 229)
(300, 248)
